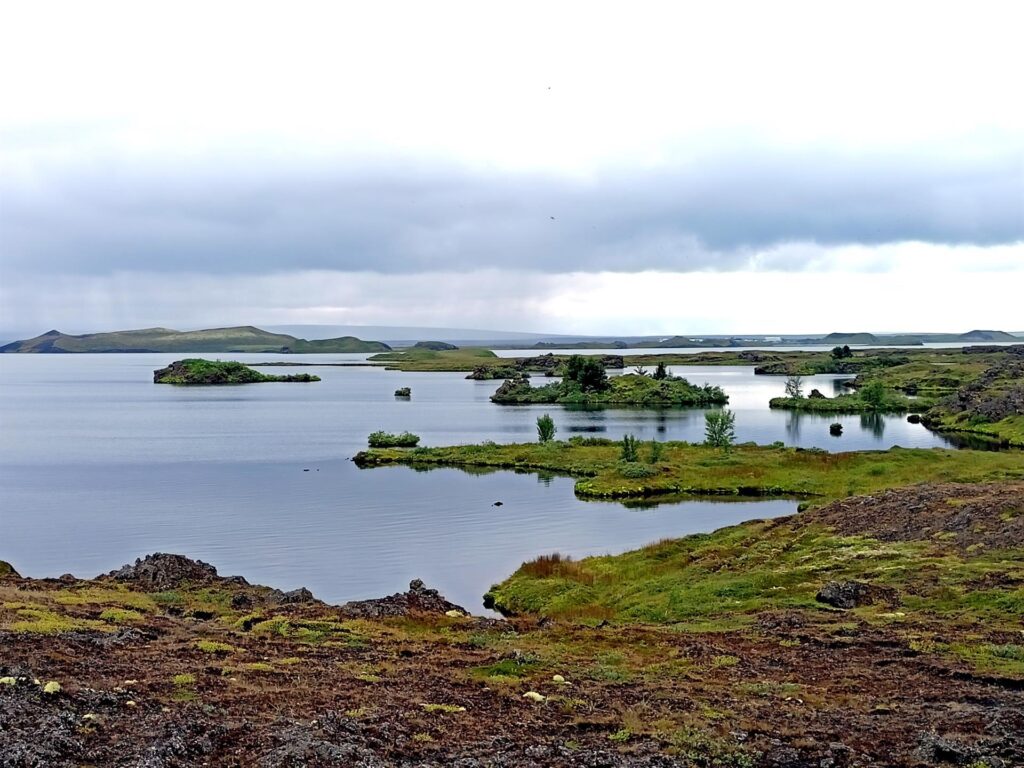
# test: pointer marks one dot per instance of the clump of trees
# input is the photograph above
(630, 449)
(841, 353)
(720, 429)
(873, 393)
(545, 428)
(587, 373)
(661, 372)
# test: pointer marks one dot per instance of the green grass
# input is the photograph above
(747, 470)
(462, 359)
(745, 569)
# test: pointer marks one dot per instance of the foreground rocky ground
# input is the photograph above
(166, 663)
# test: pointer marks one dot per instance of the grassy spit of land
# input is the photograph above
(713, 650)
(199, 372)
(746, 470)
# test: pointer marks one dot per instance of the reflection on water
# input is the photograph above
(873, 423)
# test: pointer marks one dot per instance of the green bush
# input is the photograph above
(635, 470)
(545, 428)
(720, 428)
(657, 451)
(381, 439)
(873, 393)
(630, 449)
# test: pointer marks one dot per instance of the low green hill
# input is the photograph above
(237, 339)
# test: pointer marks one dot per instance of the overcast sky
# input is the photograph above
(624, 168)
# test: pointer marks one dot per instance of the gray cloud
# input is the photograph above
(225, 218)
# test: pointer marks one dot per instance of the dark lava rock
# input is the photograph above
(816, 395)
(835, 429)
(935, 749)
(7, 570)
(161, 571)
(914, 418)
(850, 594)
(419, 599)
(300, 595)
(123, 636)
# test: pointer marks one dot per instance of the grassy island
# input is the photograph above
(585, 383)
(199, 372)
(746, 470)
(853, 403)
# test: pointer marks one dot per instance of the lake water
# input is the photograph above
(98, 465)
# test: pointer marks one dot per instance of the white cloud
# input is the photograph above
(924, 291)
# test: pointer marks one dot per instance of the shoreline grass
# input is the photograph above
(746, 470)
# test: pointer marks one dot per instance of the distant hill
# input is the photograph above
(988, 336)
(239, 339)
(903, 339)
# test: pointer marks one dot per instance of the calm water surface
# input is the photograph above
(98, 466)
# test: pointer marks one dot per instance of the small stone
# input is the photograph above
(130, 703)
(453, 614)
(558, 679)
(534, 696)
(131, 682)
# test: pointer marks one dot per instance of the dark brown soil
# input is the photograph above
(965, 515)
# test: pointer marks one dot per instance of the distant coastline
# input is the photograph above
(235, 339)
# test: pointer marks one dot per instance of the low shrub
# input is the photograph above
(381, 439)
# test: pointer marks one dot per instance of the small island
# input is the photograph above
(199, 372)
(586, 382)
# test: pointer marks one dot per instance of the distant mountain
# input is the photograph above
(239, 339)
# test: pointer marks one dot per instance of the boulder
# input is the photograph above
(301, 595)
(914, 418)
(419, 599)
(164, 571)
(816, 395)
(835, 429)
(851, 594)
